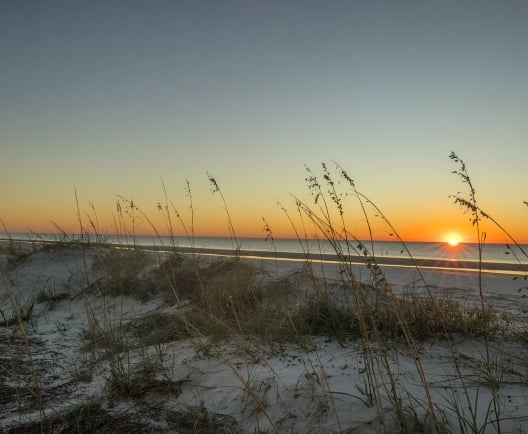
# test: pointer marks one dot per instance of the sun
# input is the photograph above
(453, 241)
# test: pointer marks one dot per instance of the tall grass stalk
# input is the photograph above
(304, 242)
(469, 203)
(167, 215)
(215, 189)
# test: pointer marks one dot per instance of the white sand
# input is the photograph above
(323, 389)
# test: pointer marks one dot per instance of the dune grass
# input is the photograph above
(213, 301)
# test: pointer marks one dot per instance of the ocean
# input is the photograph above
(502, 256)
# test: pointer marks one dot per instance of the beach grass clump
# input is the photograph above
(197, 419)
(160, 328)
(17, 257)
(427, 316)
(141, 371)
(322, 316)
(16, 366)
(178, 278)
(101, 336)
(136, 382)
(50, 297)
(17, 313)
(86, 418)
(226, 296)
(218, 298)
(230, 290)
(11, 248)
(120, 273)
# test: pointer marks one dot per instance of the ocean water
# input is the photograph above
(495, 253)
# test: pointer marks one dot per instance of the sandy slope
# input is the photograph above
(245, 387)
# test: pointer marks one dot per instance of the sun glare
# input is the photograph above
(453, 241)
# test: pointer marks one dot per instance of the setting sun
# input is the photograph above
(453, 241)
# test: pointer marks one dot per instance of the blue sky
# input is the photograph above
(110, 96)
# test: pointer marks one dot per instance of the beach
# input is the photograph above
(256, 217)
(55, 365)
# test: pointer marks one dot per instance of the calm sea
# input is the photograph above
(496, 253)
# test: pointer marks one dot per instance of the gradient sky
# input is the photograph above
(109, 97)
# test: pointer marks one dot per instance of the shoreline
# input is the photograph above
(390, 261)
(511, 268)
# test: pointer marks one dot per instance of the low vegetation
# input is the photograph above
(215, 303)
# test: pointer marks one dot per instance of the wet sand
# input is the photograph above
(351, 259)
(389, 261)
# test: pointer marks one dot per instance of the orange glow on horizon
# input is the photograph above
(220, 229)
(413, 226)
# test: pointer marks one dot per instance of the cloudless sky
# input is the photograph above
(109, 97)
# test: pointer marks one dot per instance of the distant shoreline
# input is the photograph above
(352, 259)
(391, 261)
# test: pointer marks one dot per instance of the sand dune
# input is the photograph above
(235, 385)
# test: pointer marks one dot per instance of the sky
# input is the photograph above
(102, 100)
